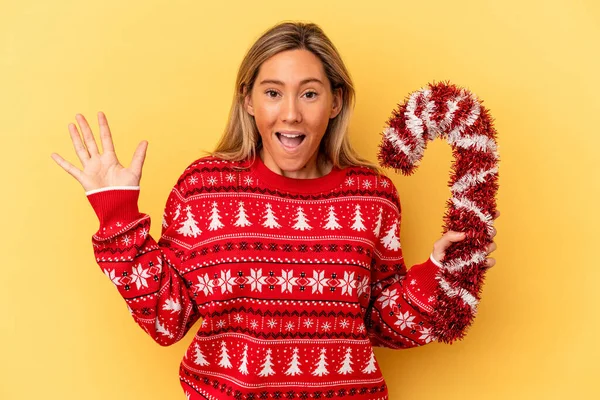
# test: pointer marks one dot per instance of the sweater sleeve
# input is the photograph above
(397, 315)
(145, 272)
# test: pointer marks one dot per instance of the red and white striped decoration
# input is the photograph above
(455, 114)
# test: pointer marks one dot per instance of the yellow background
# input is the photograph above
(164, 72)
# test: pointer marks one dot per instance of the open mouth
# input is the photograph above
(290, 141)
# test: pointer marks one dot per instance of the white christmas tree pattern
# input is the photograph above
(377, 230)
(270, 218)
(215, 218)
(332, 222)
(224, 362)
(160, 328)
(391, 240)
(346, 366)
(321, 367)
(177, 212)
(294, 366)
(242, 217)
(358, 220)
(200, 359)
(172, 305)
(301, 221)
(370, 367)
(243, 368)
(189, 227)
(267, 365)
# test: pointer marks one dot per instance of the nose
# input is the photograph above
(290, 111)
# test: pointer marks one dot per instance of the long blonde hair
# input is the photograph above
(241, 138)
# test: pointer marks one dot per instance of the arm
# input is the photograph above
(397, 315)
(145, 272)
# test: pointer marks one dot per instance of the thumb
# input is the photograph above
(138, 158)
(439, 248)
(450, 237)
(454, 236)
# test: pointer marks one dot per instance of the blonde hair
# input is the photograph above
(241, 138)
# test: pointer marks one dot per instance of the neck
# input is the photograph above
(312, 169)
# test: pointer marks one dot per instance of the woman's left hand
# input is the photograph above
(439, 247)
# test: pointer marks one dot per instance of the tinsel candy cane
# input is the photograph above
(455, 114)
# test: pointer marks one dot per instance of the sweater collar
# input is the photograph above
(296, 185)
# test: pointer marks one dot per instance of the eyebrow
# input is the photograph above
(276, 82)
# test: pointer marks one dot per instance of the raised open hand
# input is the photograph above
(101, 170)
(439, 247)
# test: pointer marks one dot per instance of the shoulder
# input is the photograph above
(377, 184)
(198, 171)
(374, 181)
(209, 162)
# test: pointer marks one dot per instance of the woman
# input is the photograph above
(283, 240)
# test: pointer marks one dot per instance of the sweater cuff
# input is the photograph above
(433, 260)
(115, 207)
(421, 284)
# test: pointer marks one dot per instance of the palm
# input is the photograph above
(101, 170)
(107, 171)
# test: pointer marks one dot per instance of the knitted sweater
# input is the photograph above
(295, 280)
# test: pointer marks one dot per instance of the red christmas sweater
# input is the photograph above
(295, 280)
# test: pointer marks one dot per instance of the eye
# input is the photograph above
(312, 92)
(270, 91)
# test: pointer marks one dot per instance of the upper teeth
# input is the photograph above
(286, 135)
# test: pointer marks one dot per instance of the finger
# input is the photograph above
(88, 137)
(494, 231)
(67, 166)
(490, 262)
(137, 162)
(497, 214)
(80, 149)
(105, 135)
(491, 247)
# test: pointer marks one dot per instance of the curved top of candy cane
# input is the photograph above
(440, 110)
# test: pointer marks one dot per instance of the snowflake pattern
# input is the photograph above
(297, 281)
(272, 323)
(126, 240)
(139, 276)
(388, 298)
(238, 318)
(405, 320)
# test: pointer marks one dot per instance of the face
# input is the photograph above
(292, 95)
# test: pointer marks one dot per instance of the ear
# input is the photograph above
(336, 106)
(248, 103)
